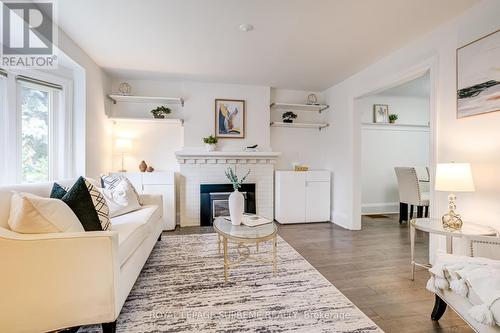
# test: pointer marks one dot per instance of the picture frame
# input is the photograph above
(380, 113)
(477, 76)
(230, 116)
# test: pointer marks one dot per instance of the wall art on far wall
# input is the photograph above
(230, 118)
(380, 113)
(478, 76)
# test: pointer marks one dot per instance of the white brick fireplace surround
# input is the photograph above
(198, 168)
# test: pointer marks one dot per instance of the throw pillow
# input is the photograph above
(110, 182)
(58, 191)
(31, 214)
(87, 203)
(121, 199)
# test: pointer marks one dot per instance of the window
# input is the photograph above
(3, 127)
(36, 122)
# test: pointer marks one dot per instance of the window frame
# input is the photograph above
(61, 161)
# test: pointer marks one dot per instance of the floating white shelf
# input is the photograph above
(394, 127)
(150, 120)
(299, 125)
(146, 99)
(299, 107)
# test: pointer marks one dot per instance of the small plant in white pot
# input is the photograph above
(393, 118)
(210, 143)
(236, 199)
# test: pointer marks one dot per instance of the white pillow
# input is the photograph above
(121, 199)
(110, 182)
(31, 214)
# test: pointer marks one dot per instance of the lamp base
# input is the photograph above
(452, 220)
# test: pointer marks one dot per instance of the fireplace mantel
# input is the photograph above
(202, 157)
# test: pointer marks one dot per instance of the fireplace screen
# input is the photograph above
(220, 203)
(214, 201)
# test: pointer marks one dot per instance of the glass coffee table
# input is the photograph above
(243, 236)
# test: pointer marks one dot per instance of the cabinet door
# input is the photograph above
(158, 178)
(290, 197)
(317, 201)
(168, 194)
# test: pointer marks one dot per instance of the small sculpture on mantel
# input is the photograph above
(143, 166)
(150, 169)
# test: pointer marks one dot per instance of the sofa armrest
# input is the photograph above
(59, 280)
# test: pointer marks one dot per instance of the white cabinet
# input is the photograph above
(302, 196)
(158, 182)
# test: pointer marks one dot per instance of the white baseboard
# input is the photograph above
(380, 208)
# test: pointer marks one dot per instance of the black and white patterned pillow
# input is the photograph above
(110, 183)
(100, 205)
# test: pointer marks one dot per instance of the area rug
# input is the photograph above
(182, 289)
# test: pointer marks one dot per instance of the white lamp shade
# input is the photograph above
(454, 177)
(123, 145)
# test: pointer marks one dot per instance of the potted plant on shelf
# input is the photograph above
(392, 118)
(160, 112)
(210, 143)
(236, 199)
(288, 117)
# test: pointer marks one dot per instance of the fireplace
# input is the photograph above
(214, 201)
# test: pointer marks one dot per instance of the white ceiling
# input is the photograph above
(419, 87)
(299, 44)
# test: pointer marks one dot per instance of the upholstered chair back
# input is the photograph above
(408, 185)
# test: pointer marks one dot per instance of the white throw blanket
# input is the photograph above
(460, 273)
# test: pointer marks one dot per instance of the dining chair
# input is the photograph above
(411, 194)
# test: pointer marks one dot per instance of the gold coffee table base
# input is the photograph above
(244, 252)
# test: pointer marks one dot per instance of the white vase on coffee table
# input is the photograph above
(236, 207)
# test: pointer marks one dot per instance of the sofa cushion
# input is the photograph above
(133, 228)
(121, 198)
(32, 214)
(111, 182)
(40, 189)
(87, 202)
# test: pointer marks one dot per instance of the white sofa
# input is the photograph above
(61, 280)
(473, 246)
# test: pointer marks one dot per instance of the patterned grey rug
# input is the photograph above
(182, 289)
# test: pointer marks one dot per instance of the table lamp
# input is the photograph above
(453, 177)
(123, 146)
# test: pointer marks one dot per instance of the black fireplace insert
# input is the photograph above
(214, 201)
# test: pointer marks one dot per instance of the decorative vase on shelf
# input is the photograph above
(210, 147)
(143, 166)
(236, 207)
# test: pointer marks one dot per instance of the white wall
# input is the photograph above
(475, 140)
(198, 112)
(385, 147)
(153, 142)
(297, 144)
(410, 110)
(92, 130)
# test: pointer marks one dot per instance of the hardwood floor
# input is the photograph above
(371, 268)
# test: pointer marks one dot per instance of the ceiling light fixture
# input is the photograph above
(246, 27)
